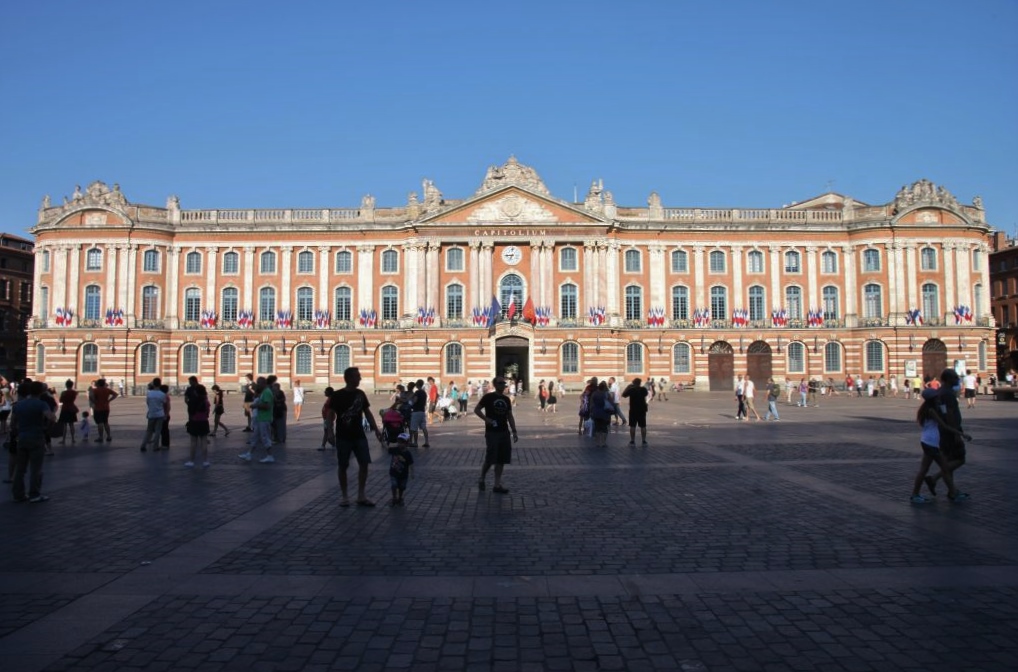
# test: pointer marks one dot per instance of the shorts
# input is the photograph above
(418, 420)
(601, 426)
(68, 417)
(398, 482)
(970, 394)
(101, 417)
(359, 448)
(953, 449)
(637, 418)
(432, 406)
(932, 451)
(198, 428)
(498, 448)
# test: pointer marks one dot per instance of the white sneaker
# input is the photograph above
(245, 456)
(268, 459)
(189, 464)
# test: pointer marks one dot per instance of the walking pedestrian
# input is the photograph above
(419, 415)
(198, 408)
(935, 431)
(401, 468)
(156, 403)
(749, 393)
(495, 409)
(637, 395)
(261, 422)
(601, 411)
(740, 397)
(31, 417)
(218, 409)
(615, 396)
(328, 421)
(247, 387)
(298, 400)
(68, 412)
(350, 406)
(552, 397)
(584, 411)
(773, 394)
(952, 444)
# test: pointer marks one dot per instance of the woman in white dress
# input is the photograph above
(298, 400)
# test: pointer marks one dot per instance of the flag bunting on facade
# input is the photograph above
(426, 316)
(701, 317)
(740, 317)
(815, 317)
(529, 313)
(114, 317)
(543, 315)
(245, 319)
(368, 317)
(284, 319)
(494, 312)
(596, 315)
(322, 319)
(656, 317)
(511, 311)
(208, 319)
(779, 317)
(63, 317)
(962, 314)
(914, 316)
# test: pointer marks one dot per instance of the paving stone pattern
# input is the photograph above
(722, 545)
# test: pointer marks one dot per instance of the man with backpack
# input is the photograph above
(773, 394)
(351, 405)
(261, 409)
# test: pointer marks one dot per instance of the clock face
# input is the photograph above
(512, 255)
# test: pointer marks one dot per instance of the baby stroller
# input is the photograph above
(393, 424)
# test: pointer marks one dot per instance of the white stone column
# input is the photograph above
(365, 280)
(37, 311)
(474, 274)
(433, 270)
(777, 296)
(248, 275)
(122, 279)
(895, 278)
(487, 279)
(589, 297)
(738, 293)
(61, 269)
(912, 279)
(963, 266)
(73, 279)
(324, 265)
(172, 275)
(658, 278)
(534, 291)
(851, 285)
(950, 297)
(286, 283)
(699, 278)
(211, 301)
(612, 278)
(984, 275)
(813, 293)
(550, 290)
(113, 262)
(131, 282)
(411, 283)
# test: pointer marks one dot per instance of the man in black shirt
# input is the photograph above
(637, 395)
(498, 422)
(351, 405)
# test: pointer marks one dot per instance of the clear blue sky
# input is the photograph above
(313, 104)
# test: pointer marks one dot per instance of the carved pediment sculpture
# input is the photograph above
(512, 172)
(512, 208)
(924, 192)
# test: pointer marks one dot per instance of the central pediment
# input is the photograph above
(514, 205)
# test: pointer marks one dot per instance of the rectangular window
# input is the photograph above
(680, 262)
(829, 262)
(567, 259)
(871, 261)
(306, 262)
(570, 358)
(454, 259)
(634, 358)
(344, 262)
(756, 262)
(231, 263)
(717, 261)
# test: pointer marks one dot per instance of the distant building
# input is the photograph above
(16, 274)
(1004, 297)
(511, 280)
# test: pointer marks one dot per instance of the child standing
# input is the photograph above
(401, 463)
(218, 409)
(85, 427)
(933, 426)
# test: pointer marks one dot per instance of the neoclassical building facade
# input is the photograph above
(510, 280)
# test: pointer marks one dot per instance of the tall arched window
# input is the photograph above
(931, 300)
(977, 303)
(632, 261)
(757, 303)
(830, 299)
(343, 304)
(306, 262)
(340, 359)
(454, 301)
(390, 261)
(192, 263)
(192, 304)
(93, 302)
(872, 301)
(231, 299)
(796, 357)
(40, 358)
(303, 356)
(793, 262)
(228, 360)
(305, 304)
(149, 362)
(150, 302)
(344, 262)
(832, 357)
(874, 356)
(453, 359)
(389, 360)
(90, 358)
(150, 261)
(268, 262)
(634, 358)
(680, 261)
(570, 358)
(569, 301)
(266, 304)
(231, 263)
(680, 358)
(634, 303)
(719, 303)
(793, 302)
(755, 261)
(828, 262)
(189, 359)
(390, 303)
(717, 261)
(510, 290)
(680, 303)
(266, 359)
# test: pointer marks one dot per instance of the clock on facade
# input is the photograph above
(512, 255)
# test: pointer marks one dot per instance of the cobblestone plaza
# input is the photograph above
(786, 545)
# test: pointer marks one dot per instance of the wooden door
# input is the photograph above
(721, 367)
(934, 358)
(758, 362)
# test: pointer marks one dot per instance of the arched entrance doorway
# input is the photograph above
(758, 361)
(934, 358)
(512, 358)
(721, 367)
